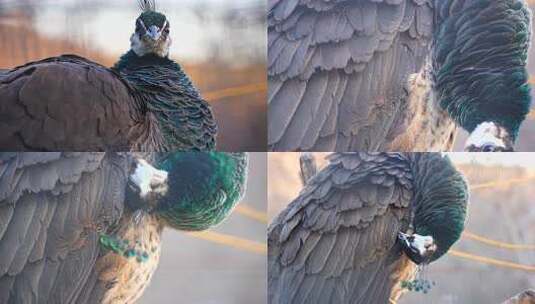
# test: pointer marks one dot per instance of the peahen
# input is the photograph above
(359, 228)
(144, 103)
(86, 227)
(403, 75)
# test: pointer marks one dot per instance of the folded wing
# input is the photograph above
(65, 103)
(338, 70)
(336, 242)
(52, 208)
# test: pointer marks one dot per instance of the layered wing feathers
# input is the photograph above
(52, 208)
(336, 242)
(337, 70)
(65, 103)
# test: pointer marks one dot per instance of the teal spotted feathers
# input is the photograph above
(123, 248)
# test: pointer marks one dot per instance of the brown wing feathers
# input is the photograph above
(65, 103)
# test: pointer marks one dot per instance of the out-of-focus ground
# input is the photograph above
(220, 43)
(526, 137)
(502, 208)
(194, 270)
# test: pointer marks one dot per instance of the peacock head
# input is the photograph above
(489, 137)
(151, 35)
(435, 231)
(188, 190)
(420, 249)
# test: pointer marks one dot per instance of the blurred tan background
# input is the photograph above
(220, 43)
(195, 270)
(502, 209)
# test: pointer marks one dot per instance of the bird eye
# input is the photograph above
(487, 148)
(139, 27)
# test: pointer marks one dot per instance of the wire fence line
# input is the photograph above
(503, 183)
(252, 213)
(531, 114)
(472, 236)
(499, 244)
(491, 261)
(231, 241)
(235, 91)
(234, 241)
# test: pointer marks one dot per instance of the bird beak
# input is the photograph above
(418, 248)
(154, 33)
(424, 245)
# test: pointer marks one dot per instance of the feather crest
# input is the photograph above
(147, 5)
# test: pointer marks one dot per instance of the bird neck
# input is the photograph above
(439, 200)
(180, 119)
(130, 60)
(203, 188)
(479, 72)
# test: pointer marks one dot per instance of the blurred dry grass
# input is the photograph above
(504, 212)
(241, 116)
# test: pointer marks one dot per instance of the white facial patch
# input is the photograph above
(485, 133)
(148, 178)
(422, 243)
(142, 48)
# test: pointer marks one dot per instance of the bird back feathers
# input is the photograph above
(147, 5)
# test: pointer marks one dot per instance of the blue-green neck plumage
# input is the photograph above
(185, 120)
(440, 200)
(203, 188)
(479, 62)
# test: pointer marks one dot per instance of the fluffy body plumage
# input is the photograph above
(183, 120)
(340, 72)
(337, 241)
(129, 276)
(72, 230)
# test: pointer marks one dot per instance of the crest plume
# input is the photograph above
(147, 5)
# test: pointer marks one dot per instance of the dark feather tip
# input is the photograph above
(147, 5)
